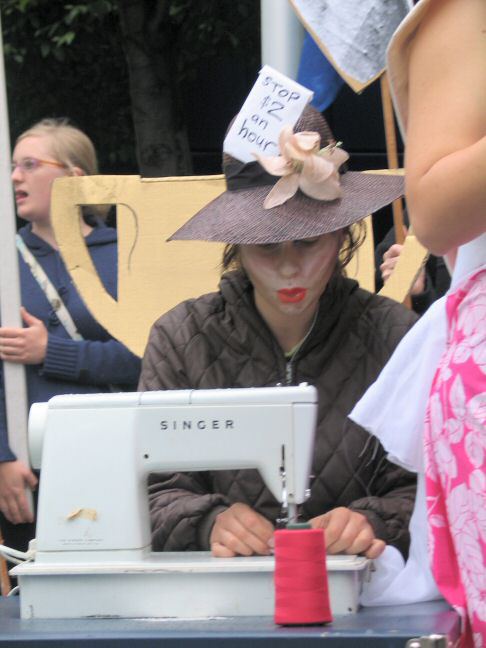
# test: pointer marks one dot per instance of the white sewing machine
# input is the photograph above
(93, 550)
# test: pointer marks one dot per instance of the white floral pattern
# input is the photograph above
(455, 454)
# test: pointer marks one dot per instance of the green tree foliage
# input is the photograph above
(54, 26)
(214, 28)
(68, 59)
(65, 59)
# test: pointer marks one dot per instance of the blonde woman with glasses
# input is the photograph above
(63, 348)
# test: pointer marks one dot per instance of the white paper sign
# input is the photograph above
(274, 101)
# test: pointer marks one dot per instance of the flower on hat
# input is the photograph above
(303, 165)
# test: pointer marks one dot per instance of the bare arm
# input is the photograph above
(446, 139)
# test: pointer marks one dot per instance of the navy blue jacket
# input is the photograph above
(88, 366)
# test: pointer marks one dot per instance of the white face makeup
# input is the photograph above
(289, 278)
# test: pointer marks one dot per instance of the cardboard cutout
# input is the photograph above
(153, 276)
(410, 262)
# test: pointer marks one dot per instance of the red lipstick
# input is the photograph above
(291, 295)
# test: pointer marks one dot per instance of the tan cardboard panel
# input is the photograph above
(153, 275)
(409, 264)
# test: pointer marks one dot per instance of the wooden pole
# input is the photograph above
(392, 157)
(5, 585)
(392, 153)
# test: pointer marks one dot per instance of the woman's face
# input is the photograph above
(32, 187)
(289, 278)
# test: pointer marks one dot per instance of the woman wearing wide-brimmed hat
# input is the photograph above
(285, 313)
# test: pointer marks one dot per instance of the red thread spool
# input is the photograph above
(301, 589)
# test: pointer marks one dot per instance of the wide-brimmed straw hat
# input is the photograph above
(239, 216)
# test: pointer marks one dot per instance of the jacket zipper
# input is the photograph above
(289, 364)
(288, 372)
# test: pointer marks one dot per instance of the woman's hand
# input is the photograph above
(15, 477)
(24, 345)
(348, 532)
(241, 531)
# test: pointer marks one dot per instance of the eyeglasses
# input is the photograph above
(27, 165)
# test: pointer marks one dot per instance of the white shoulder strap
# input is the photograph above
(48, 289)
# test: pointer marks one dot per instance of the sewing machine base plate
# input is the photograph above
(178, 585)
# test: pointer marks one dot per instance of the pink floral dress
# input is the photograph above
(437, 375)
(455, 452)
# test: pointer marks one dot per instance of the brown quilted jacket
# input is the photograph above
(220, 340)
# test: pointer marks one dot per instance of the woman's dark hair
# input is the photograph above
(353, 237)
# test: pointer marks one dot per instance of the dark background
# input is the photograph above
(216, 61)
